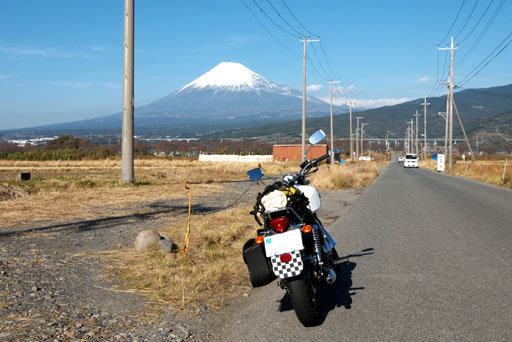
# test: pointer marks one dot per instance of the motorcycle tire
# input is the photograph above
(304, 301)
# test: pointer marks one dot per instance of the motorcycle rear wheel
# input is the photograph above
(304, 300)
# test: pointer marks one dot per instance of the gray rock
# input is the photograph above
(146, 239)
(167, 245)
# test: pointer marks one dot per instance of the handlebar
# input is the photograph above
(306, 165)
(322, 158)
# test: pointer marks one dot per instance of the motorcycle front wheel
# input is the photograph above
(304, 300)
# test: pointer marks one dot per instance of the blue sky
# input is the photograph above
(61, 60)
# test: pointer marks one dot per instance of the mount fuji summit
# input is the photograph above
(229, 96)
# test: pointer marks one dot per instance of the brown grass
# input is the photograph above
(70, 189)
(348, 176)
(64, 190)
(487, 171)
(216, 242)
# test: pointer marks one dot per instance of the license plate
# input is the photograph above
(283, 243)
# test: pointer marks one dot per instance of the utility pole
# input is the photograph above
(406, 138)
(362, 137)
(444, 115)
(127, 174)
(411, 148)
(450, 111)
(409, 133)
(416, 142)
(425, 104)
(357, 136)
(305, 41)
(332, 125)
(351, 103)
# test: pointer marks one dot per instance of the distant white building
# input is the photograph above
(235, 158)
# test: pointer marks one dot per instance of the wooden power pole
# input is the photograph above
(357, 136)
(416, 141)
(305, 41)
(450, 109)
(351, 103)
(127, 173)
(332, 124)
(425, 104)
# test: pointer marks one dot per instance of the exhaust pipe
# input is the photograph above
(330, 277)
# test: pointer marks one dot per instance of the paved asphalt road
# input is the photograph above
(431, 261)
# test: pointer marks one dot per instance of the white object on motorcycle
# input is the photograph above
(274, 200)
(312, 195)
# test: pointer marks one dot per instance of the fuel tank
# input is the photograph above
(313, 196)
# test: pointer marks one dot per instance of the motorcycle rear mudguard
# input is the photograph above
(260, 271)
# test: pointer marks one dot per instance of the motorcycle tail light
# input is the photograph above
(287, 257)
(259, 239)
(279, 224)
(306, 228)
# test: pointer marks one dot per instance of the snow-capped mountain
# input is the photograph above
(231, 91)
(228, 96)
(231, 76)
(235, 77)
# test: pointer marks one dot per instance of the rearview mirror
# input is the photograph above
(316, 137)
(255, 174)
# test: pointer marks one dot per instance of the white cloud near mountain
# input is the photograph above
(314, 87)
(369, 103)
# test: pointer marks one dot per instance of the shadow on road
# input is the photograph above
(114, 221)
(336, 295)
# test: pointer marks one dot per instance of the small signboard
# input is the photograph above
(440, 163)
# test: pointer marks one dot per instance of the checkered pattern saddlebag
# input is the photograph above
(288, 269)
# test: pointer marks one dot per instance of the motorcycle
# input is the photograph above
(292, 244)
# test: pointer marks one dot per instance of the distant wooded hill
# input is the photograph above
(488, 109)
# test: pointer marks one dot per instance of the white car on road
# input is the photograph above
(411, 160)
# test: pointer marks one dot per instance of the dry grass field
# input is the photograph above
(67, 190)
(487, 171)
(64, 190)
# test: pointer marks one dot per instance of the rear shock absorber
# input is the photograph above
(318, 245)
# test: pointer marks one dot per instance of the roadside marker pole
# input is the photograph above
(184, 250)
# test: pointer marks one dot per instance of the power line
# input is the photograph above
(325, 56)
(319, 62)
(453, 23)
(475, 72)
(484, 31)
(477, 23)
(280, 16)
(270, 32)
(272, 20)
(315, 69)
(297, 20)
(467, 20)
